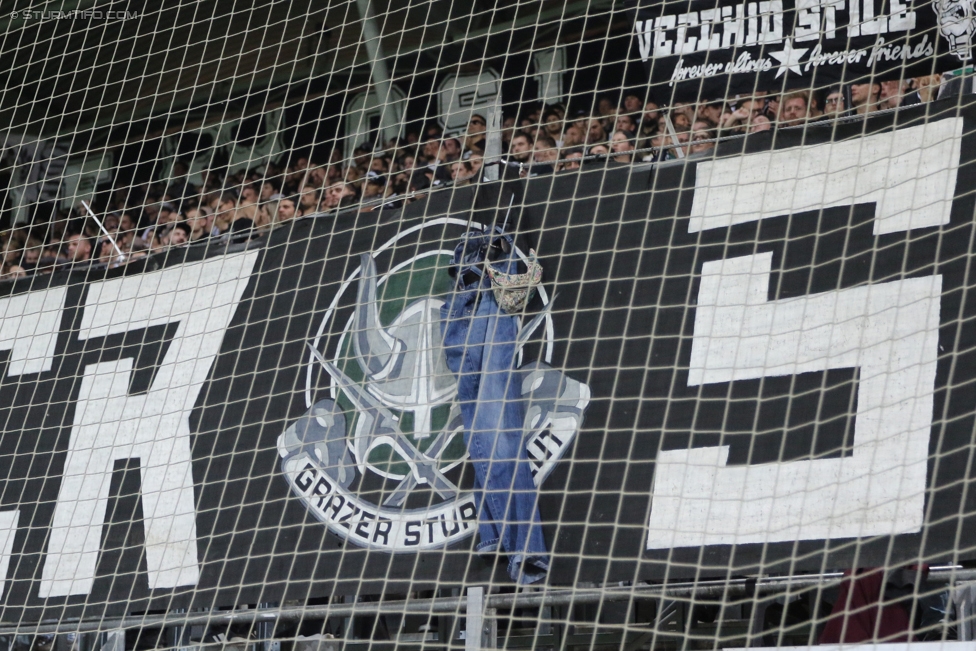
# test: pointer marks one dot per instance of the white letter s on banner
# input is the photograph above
(889, 331)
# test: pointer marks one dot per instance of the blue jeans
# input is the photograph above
(479, 344)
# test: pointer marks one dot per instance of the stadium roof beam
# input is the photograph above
(272, 67)
(377, 63)
(346, 66)
(68, 77)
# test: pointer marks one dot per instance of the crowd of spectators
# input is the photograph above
(151, 217)
(637, 131)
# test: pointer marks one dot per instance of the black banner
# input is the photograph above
(770, 375)
(702, 50)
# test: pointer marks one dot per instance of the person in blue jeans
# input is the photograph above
(480, 348)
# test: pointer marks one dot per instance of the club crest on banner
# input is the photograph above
(957, 24)
(378, 455)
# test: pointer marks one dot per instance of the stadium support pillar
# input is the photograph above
(113, 641)
(493, 140)
(963, 596)
(379, 73)
(266, 629)
(179, 636)
(481, 627)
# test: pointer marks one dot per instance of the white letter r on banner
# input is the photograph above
(110, 425)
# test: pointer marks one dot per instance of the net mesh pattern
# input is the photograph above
(487, 324)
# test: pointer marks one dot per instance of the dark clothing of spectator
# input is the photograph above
(911, 99)
(512, 169)
(419, 181)
(347, 202)
(241, 225)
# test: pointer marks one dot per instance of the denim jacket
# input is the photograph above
(480, 348)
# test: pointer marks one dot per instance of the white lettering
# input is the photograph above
(29, 326)
(752, 34)
(685, 43)
(807, 21)
(901, 20)
(910, 175)
(663, 46)
(710, 38)
(733, 33)
(644, 38)
(871, 24)
(8, 529)
(761, 23)
(884, 52)
(771, 21)
(830, 17)
(110, 425)
(889, 331)
(744, 64)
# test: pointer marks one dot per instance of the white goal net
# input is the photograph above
(511, 324)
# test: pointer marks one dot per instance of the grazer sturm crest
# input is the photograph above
(378, 455)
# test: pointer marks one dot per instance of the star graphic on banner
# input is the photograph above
(789, 58)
